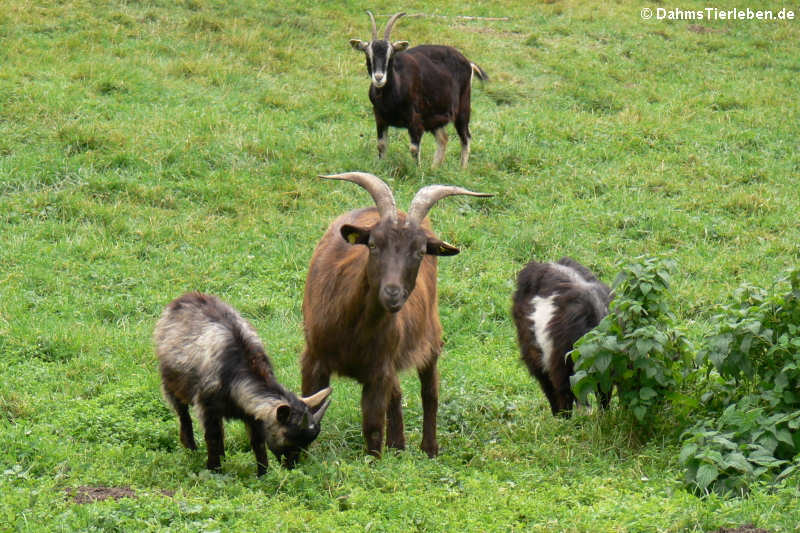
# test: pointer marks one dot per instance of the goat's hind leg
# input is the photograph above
(182, 410)
(462, 128)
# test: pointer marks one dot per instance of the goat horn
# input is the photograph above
(389, 25)
(380, 192)
(315, 399)
(317, 417)
(374, 27)
(427, 196)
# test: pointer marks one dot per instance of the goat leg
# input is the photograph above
(215, 442)
(257, 442)
(429, 384)
(374, 400)
(395, 437)
(415, 133)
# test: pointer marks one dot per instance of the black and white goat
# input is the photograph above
(555, 304)
(420, 89)
(211, 357)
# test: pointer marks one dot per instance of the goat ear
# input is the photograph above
(354, 234)
(437, 247)
(399, 46)
(358, 44)
(282, 413)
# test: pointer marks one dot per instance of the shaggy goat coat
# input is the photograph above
(555, 304)
(210, 357)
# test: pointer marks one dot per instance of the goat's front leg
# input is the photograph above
(415, 132)
(215, 439)
(374, 400)
(383, 137)
(314, 376)
(395, 437)
(429, 385)
(441, 146)
(257, 442)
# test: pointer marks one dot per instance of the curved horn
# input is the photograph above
(321, 411)
(427, 196)
(374, 27)
(389, 25)
(315, 399)
(380, 192)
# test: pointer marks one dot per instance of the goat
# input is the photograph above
(370, 308)
(421, 89)
(210, 357)
(555, 304)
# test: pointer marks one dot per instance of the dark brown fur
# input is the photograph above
(579, 300)
(350, 332)
(426, 88)
(209, 356)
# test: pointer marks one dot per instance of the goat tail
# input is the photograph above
(479, 72)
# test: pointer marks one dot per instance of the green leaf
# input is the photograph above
(646, 393)
(786, 472)
(738, 461)
(687, 452)
(602, 361)
(706, 475)
(784, 436)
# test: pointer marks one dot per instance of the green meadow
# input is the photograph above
(152, 147)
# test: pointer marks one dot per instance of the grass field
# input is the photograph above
(150, 147)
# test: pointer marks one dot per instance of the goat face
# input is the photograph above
(296, 424)
(396, 251)
(379, 57)
(379, 52)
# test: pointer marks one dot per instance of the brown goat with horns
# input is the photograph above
(370, 308)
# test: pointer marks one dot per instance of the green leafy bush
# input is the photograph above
(636, 346)
(752, 408)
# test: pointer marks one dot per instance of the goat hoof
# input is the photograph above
(431, 449)
(397, 445)
(188, 442)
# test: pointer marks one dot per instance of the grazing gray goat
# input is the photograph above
(370, 308)
(555, 304)
(211, 357)
(420, 89)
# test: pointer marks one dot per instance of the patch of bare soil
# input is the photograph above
(696, 28)
(742, 529)
(87, 494)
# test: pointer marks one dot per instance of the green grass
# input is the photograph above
(152, 147)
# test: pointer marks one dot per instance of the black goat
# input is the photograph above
(421, 89)
(555, 304)
(211, 357)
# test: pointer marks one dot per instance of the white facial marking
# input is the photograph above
(543, 311)
(379, 72)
